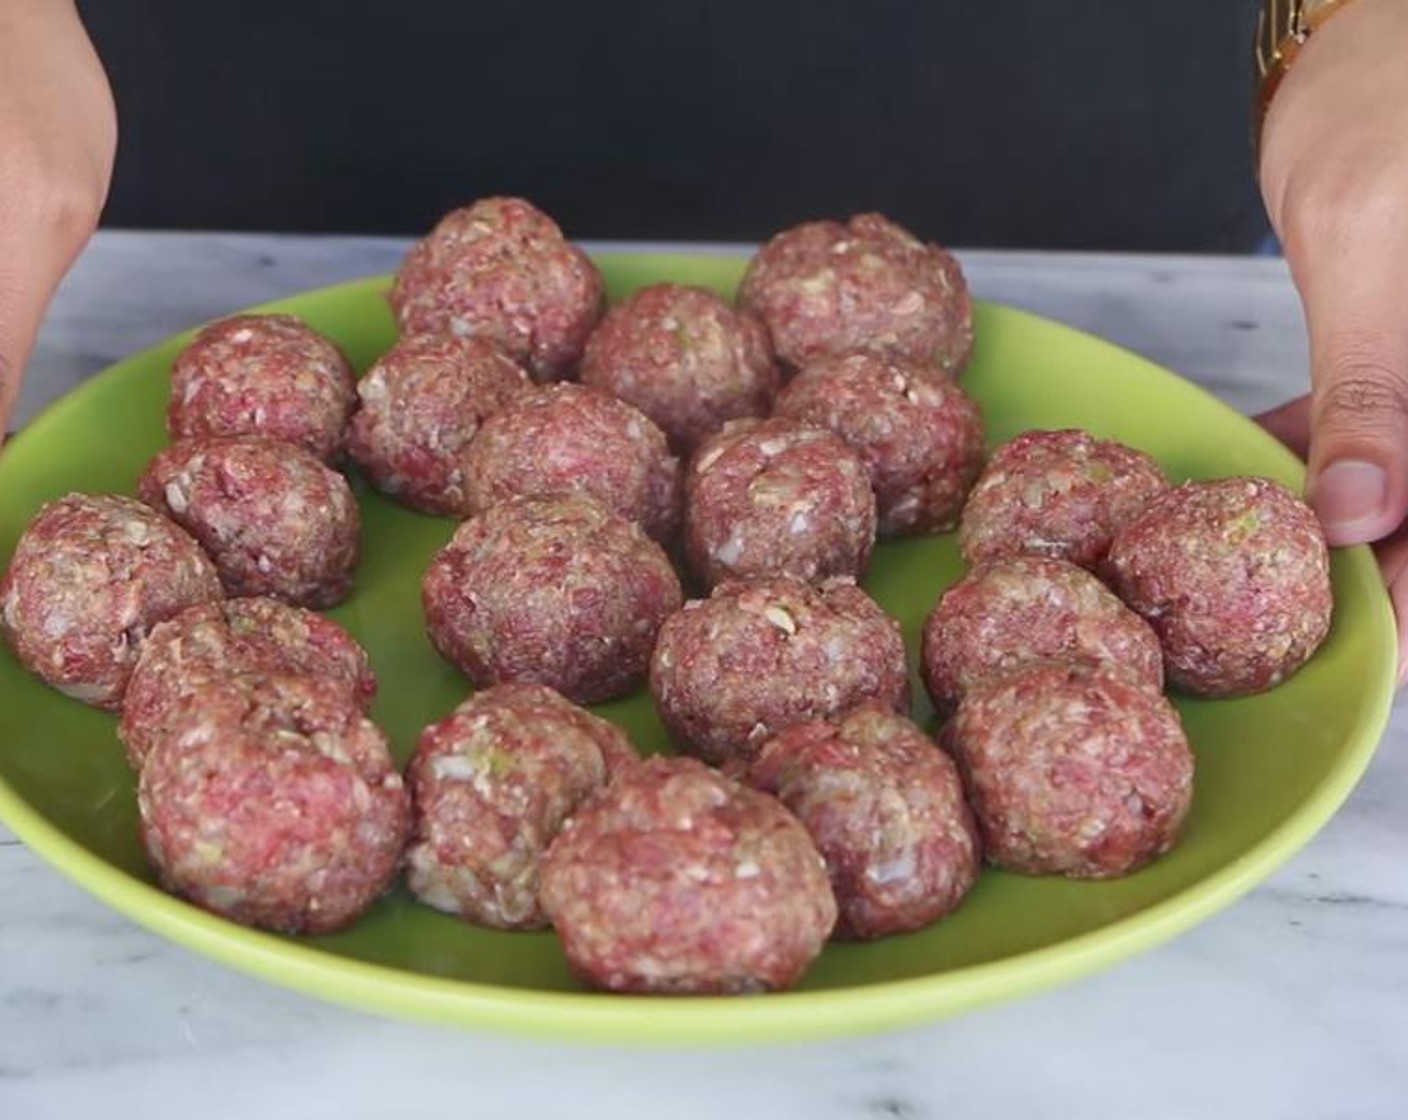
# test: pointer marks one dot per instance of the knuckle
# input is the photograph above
(68, 203)
(61, 202)
(1364, 392)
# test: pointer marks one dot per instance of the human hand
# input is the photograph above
(1334, 175)
(58, 132)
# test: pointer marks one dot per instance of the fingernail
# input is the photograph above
(1349, 496)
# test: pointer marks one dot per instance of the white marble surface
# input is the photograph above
(1292, 1003)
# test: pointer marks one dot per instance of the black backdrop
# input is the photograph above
(1112, 124)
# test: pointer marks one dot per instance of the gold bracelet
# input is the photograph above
(1281, 31)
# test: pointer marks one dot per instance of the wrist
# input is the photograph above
(1283, 28)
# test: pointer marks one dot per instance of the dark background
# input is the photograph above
(1113, 125)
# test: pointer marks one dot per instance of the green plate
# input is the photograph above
(1271, 768)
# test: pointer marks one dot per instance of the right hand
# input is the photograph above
(1334, 174)
(58, 134)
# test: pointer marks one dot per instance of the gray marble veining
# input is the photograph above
(1293, 1003)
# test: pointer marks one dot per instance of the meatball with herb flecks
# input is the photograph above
(558, 591)
(501, 269)
(263, 375)
(1234, 577)
(759, 655)
(89, 579)
(674, 878)
(685, 358)
(826, 288)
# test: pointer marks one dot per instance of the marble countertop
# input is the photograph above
(1291, 1003)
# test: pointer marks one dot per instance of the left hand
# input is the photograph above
(1334, 175)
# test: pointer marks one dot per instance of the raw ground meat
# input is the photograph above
(1026, 608)
(491, 784)
(677, 879)
(276, 803)
(827, 288)
(1234, 576)
(263, 375)
(89, 578)
(1072, 770)
(919, 434)
(212, 641)
(500, 268)
(685, 358)
(274, 519)
(885, 808)
(557, 591)
(759, 655)
(421, 404)
(779, 495)
(570, 438)
(1059, 493)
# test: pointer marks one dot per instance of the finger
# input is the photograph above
(1355, 289)
(1290, 424)
(1393, 562)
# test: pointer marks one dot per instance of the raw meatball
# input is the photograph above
(1072, 770)
(777, 495)
(263, 375)
(275, 802)
(571, 438)
(676, 879)
(491, 784)
(558, 591)
(1234, 576)
(1026, 608)
(685, 358)
(731, 671)
(89, 578)
(919, 434)
(501, 268)
(826, 288)
(1056, 493)
(212, 641)
(274, 519)
(421, 404)
(885, 807)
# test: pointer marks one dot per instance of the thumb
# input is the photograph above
(1356, 302)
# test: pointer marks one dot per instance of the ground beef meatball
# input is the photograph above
(731, 671)
(677, 879)
(777, 495)
(1056, 493)
(685, 358)
(275, 520)
(501, 268)
(1026, 608)
(274, 802)
(558, 591)
(491, 784)
(1234, 576)
(885, 807)
(826, 288)
(90, 577)
(263, 375)
(572, 438)
(212, 641)
(421, 404)
(919, 434)
(1072, 770)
